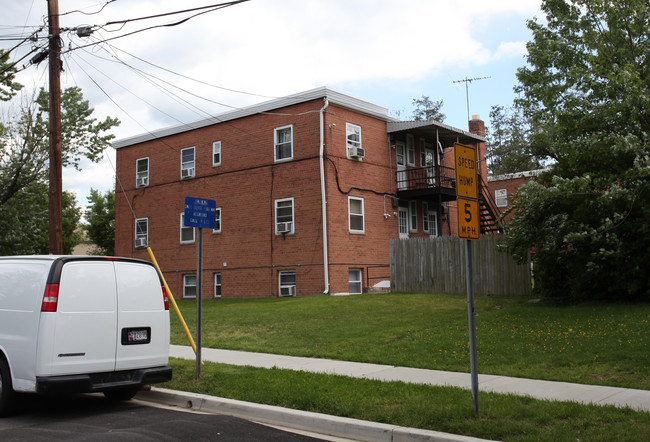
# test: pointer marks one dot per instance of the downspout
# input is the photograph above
(324, 198)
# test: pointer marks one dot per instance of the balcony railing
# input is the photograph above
(429, 177)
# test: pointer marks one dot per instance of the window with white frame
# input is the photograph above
(141, 232)
(413, 215)
(217, 285)
(189, 286)
(284, 220)
(188, 163)
(410, 150)
(355, 282)
(403, 222)
(287, 281)
(355, 215)
(187, 233)
(501, 197)
(142, 172)
(284, 143)
(216, 153)
(353, 137)
(429, 220)
(217, 221)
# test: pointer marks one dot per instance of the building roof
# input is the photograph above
(334, 97)
(433, 129)
(516, 175)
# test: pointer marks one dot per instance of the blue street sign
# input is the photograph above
(200, 212)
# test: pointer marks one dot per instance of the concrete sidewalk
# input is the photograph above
(546, 390)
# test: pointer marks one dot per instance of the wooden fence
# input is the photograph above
(437, 265)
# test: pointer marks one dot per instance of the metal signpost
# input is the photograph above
(199, 213)
(469, 229)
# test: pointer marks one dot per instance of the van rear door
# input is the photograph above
(143, 322)
(86, 319)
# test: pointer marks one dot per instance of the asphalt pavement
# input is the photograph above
(352, 429)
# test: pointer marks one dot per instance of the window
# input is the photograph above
(189, 286)
(217, 224)
(141, 232)
(354, 281)
(284, 143)
(410, 150)
(501, 197)
(429, 220)
(413, 214)
(287, 279)
(355, 215)
(217, 285)
(216, 153)
(142, 172)
(284, 216)
(353, 136)
(187, 233)
(187, 163)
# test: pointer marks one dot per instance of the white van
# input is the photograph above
(74, 324)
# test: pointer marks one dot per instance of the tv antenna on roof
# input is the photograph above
(467, 81)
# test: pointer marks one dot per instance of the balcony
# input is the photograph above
(427, 183)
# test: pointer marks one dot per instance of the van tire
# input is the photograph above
(7, 394)
(122, 394)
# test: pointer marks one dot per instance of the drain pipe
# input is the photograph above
(324, 198)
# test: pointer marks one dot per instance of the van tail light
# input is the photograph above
(165, 298)
(50, 298)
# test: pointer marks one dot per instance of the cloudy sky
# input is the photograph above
(384, 51)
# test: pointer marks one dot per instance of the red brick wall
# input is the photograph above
(247, 252)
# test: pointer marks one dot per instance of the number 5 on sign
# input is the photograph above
(468, 219)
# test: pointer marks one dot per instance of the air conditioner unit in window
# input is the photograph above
(187, 173)
(143, 181)
(140, 242)
(284, 227)
(288, 290)
(357, 152)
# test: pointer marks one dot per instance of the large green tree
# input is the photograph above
(586, 88)
(8, 87)
(24, 223)
(100, 216)
(24, 148)
(509, 142)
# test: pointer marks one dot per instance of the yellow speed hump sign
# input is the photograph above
(467, 191)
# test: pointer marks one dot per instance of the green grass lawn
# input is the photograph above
(593, 344)
(501, 417)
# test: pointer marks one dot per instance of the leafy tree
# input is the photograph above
(509, 142)
(8, 87)
(101, 221)
(425, 109)
(586, 89)
(24, 141)
(24, 223)
(24, 165)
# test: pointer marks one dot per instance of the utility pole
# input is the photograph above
(467, 81)
(56, 180)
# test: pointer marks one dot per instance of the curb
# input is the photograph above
(297, 419)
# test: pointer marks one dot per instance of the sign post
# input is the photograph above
(199, 213)
(469, 229)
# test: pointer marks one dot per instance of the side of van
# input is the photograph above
(71, 324)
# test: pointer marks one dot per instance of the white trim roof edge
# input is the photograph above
(334, 97)
(398, 126)
(513, 176)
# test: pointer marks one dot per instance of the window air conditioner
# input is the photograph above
(143, 181)
(284, 227)
(140, 242)
(357, 152)
(288, 290)
(187, 173)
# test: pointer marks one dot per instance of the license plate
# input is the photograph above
(139, 335)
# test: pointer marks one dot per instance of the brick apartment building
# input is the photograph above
(310, 188)
(503, 187)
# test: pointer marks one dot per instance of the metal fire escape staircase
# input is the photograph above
(488, 211)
